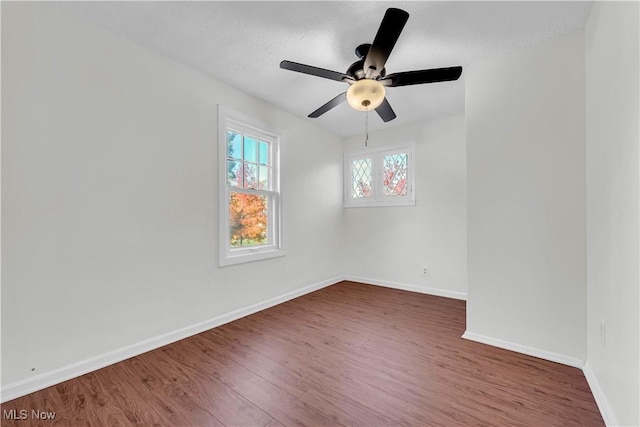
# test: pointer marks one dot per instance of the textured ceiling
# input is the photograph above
(242, 44)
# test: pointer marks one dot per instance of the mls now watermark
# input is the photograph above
(23, 414)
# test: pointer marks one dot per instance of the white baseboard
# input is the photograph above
(47, 379)
(519, 348)
(407, 287)
(599, 396)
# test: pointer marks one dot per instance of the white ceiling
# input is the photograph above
(242, 44)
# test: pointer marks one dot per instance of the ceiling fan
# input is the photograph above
(367, 76)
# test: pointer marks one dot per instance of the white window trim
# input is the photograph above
(228, 256)
(377, 156)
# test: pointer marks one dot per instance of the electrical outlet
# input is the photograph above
(425, 271)
(603, 332)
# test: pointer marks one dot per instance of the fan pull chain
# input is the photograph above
(366, 128)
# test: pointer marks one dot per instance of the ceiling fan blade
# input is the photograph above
(422, 76)
(386, 38)
(385, 111)
(314, 71)
(329, 105)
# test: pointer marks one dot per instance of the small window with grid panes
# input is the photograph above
(382, 177)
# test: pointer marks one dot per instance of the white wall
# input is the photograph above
(526, 200)
(612, 138)
(390, 245)
(109, 197)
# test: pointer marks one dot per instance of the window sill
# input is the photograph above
(251, 256)
(380, 203)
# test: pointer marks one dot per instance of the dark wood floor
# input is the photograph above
(349, 354)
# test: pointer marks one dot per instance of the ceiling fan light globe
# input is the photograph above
(365, 95)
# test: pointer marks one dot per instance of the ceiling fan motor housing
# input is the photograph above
(362, 50)
(356, 70)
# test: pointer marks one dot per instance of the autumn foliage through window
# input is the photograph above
(395, 175)
(361, 178)
(247, 219)
(248, 168)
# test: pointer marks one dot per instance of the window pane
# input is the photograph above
(234, 145)
(264, 178)
(248, 216)
(250, 175)
(234, 173)
(361, 178)
(264, 153)
(395, 175)
(250, 145)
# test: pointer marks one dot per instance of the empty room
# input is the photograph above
(272, 213)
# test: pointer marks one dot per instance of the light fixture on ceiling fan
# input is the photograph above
(365, 95)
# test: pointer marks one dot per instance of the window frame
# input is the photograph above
(245, 125)
(377, 156)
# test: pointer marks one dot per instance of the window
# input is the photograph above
(379, 178)
(249, 190)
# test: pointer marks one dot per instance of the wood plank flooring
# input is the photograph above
(346, 355)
